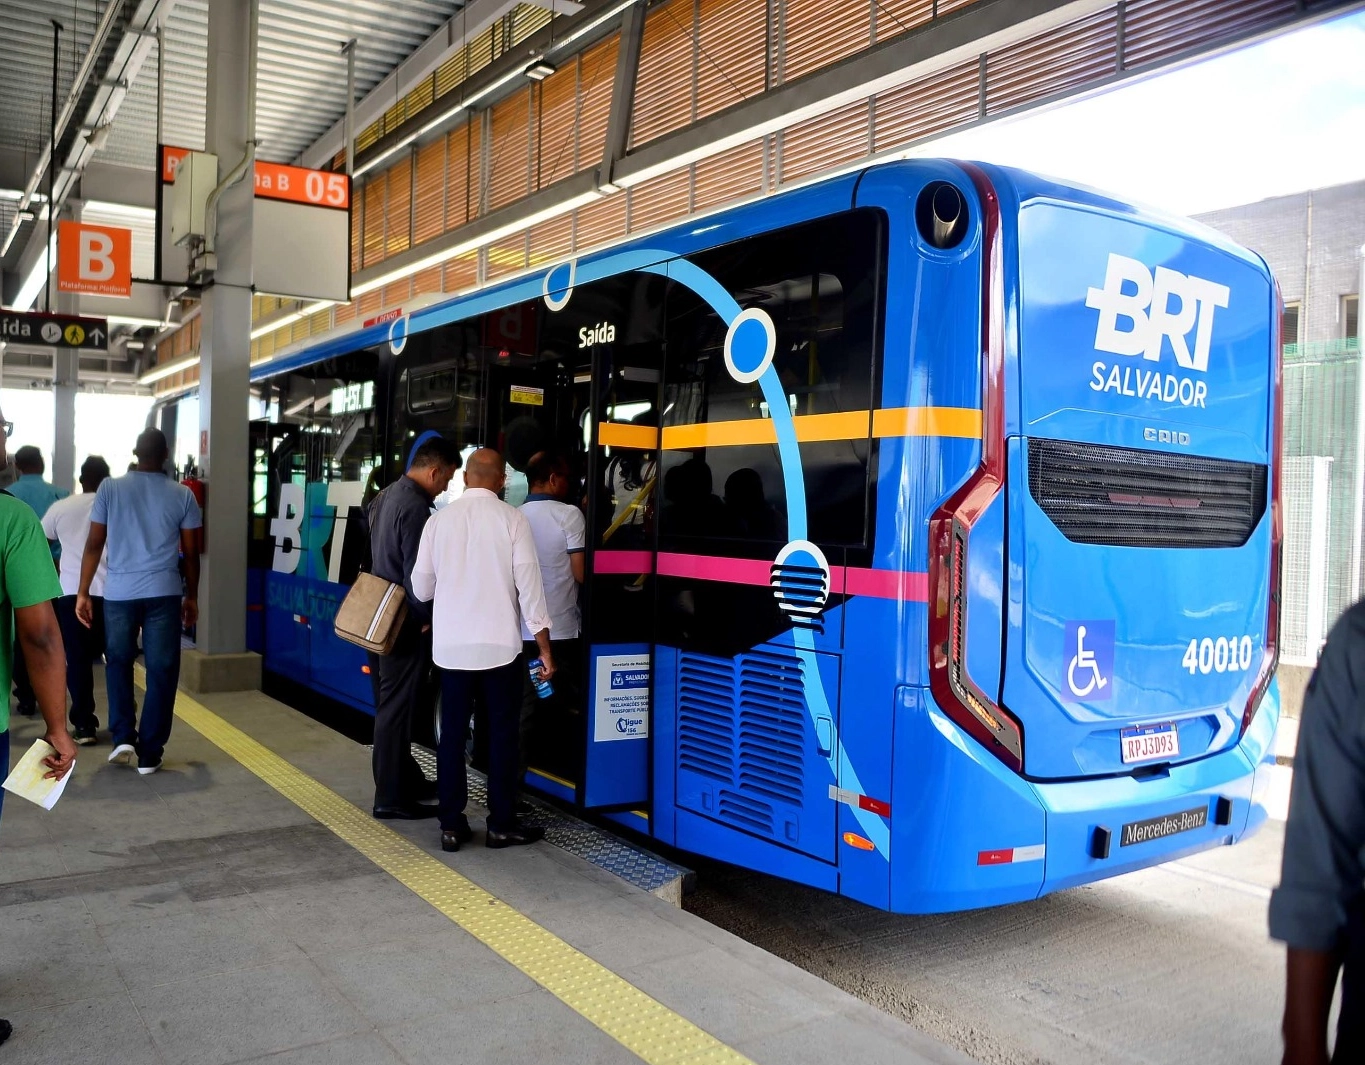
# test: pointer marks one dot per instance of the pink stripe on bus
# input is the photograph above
(710, 568)
(623, 562)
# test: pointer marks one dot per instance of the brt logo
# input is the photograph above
(1136, 315)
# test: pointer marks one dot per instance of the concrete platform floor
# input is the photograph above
(199, 915)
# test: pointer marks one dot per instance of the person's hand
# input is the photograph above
(85, 610)
(547, 666)
(189, 612)
(426, 628)
(60, 763)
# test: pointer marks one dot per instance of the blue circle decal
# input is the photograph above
(750, 344)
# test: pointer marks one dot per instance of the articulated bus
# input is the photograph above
(933, 522)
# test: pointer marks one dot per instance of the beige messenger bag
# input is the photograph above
(372, 613)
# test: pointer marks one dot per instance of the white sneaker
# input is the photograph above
(148, 770)
(122, 754)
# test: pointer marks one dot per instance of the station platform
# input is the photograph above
(241, 905)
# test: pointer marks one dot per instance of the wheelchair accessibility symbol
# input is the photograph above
(1089, 657)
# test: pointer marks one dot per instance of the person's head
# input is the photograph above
(28, 459)
(93, 470)
(434, 464)
(485, 469)
(744, 489)
(548, 474)
(151, 450)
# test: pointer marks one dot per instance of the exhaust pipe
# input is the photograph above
(941, 214)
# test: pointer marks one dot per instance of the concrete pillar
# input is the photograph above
(225, 352)
(65, 373)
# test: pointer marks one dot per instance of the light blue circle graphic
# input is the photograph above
(557, 287)
(750, 344)
(398, 334)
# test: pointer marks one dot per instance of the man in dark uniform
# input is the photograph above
(402, 679)
(1318, 910)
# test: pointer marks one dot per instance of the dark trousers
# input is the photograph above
(500, 690)
(403, 685)
(23, 689)
(1350, 1044)
(548, 733)
(158, 619)
(83, 646)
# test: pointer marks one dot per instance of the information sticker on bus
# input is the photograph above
(1150, 743)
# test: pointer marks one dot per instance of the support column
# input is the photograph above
(225, 352)
(65, 374)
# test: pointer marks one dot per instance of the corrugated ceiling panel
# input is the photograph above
(556, 110)
(661, 199)
(819, 33)
(1071, 55)
(927, 106)
(664, 86)
(600, 223)
(552, 241)
(462, 274)
(345, 312)
(596, 74)
(395, 294)
(370, 304)
(838, 137)
(510, 150)
(398, 235)
(732, 64)
(458, 175)
(891, 18)
(729, 176)
(427, 281)
(431, 192)
(507, 256)
(374, 221)
(1158, 29)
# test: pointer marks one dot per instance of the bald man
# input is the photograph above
(477, 566)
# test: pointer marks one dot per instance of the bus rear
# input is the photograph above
(1107, 580)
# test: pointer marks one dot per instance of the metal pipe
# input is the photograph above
(92, 55)
(349, 135)
(247, 160)
(160, 92)
(52, 156)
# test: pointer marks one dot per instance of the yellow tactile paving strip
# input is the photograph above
(642, 1025)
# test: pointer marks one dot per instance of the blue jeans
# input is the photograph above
(159, 621)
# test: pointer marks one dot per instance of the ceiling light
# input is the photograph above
(540, 70)
(157, 373)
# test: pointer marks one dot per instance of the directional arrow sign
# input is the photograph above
(54, 330)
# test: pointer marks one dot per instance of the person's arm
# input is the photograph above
(422, 581)
(1324, 836)
(90, 562)
(531, 590)
(41, 640)
(575, 541)
(189, 552)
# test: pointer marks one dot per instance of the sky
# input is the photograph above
(1277, 117)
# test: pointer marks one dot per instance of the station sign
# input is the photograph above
(97, 260)
(64, 331)
(275, 181)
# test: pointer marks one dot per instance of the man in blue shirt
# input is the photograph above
(147, 522)
(38, 494)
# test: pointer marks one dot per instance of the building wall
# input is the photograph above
(1315, 235)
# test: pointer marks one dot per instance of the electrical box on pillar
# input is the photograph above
(195, 178)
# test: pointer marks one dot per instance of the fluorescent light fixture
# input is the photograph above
(136, 323)
(382, 156)
(157, 373)
(33, 284)
(275, 323)
(583, 31)
(102, 209)
(540, 69)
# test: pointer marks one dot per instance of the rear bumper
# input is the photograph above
(976, 841)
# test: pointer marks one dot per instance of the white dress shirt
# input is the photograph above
(68, 522)
(476, 564)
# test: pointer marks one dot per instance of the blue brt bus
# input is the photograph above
(933, 518)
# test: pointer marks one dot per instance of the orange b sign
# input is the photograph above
(97, 260)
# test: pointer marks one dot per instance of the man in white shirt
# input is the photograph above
(560, 534)
(67, 524)
(477, 566)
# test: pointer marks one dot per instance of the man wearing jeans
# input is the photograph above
(67, 524)
(147, 522)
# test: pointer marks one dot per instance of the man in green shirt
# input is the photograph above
(28, 584)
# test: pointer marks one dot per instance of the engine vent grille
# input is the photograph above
(1123, 497)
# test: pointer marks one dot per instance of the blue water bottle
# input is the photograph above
(542, 686)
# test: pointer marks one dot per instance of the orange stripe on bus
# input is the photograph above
(810, 428)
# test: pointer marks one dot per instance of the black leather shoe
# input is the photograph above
(403, 813)
(515, 837)
(452, 838)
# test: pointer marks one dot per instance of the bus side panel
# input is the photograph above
(617, 722)
(255, 610)
(287, 606)
(966, 831)
(663, 728)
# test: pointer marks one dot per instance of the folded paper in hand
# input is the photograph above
(29, 778)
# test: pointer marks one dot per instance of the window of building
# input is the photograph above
(1350, 316)
(1289, 324)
